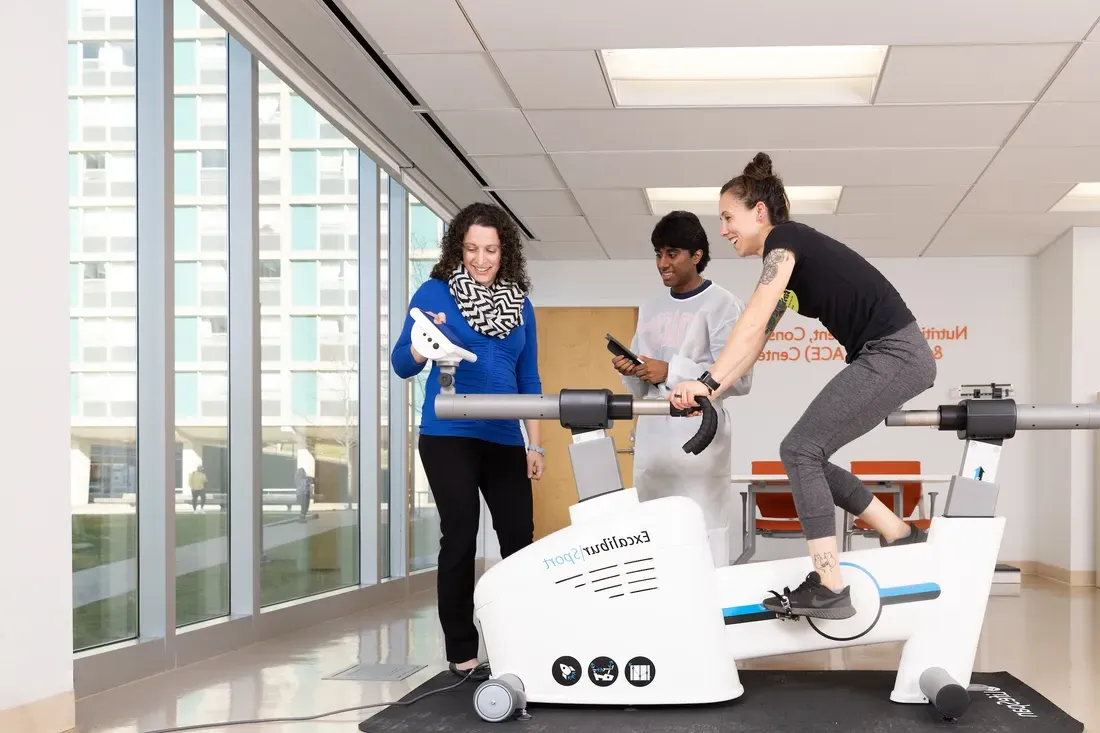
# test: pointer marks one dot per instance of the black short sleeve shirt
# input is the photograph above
(838, 287)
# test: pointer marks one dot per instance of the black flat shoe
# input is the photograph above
(478, 673)
(916, 534)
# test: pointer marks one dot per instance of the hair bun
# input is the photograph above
(759, 168)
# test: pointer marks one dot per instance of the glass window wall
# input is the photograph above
(312, 538)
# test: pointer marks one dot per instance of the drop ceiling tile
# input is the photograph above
(969, 74)
(1004, 234)
(518, 171)
(555, 79)
(415, 26)
(493, 132)
(451, 81)
(1044, 165)
(612, 201)
(775, 128)
(541, 203)
(843, 227)
(634, 169)
(1063, 124)
(559, 228)
(899, 199)
(624, 235)
(566, 251)
(1079, 81)
(1012, 198)
(584, 24)
(618, 248)
(953, 244)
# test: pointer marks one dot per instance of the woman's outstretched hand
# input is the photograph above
(683, 395)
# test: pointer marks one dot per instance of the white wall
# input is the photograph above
(1085, 381)
(1067, 356)
(36, 541)
(1053, 327)
(991, 298)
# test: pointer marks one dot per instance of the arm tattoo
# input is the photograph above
(771, 265)
(823, 561)
(780, 309)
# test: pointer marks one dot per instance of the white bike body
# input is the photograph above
(625, 606)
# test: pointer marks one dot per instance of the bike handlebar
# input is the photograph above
(697, 443)
(575, 409)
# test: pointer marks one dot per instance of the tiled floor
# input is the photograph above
(1048, 636)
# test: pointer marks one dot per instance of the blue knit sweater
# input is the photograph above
(504, 366)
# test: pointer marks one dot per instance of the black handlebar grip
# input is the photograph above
(699, 442)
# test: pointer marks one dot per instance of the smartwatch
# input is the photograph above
(709, 381)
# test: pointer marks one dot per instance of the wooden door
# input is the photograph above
(573, 354)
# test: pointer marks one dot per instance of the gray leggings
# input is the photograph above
(888, 372)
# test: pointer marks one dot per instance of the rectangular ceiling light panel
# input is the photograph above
(1082, 197)
(724, 77)
(703, 201)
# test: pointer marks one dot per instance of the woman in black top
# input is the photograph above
(888, 363)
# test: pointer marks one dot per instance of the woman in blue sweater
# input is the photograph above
(478, 288)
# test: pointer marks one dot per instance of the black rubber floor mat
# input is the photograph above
(802, 701)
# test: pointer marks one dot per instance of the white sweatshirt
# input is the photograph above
(687, 331)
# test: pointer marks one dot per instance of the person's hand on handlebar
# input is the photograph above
(683, 395)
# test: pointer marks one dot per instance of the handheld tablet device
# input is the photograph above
(618, 349)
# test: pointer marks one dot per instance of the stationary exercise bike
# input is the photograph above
(625, 607)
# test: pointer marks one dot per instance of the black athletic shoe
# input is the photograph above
(916, 534)
(479, 673)
(812, 599)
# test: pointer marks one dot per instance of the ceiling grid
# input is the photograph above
(946, 129)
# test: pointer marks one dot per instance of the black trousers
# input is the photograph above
(456, 468)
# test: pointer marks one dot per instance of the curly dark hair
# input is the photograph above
(513, 266)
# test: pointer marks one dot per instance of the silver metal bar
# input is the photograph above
(1058, 417)
(399, 445)
(370, 490)
(156, 409)
(1083, 416)
(245, 419)
(496, 407)
(914, 418)
(652, 407)
(521, 407)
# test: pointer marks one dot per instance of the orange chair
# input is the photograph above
(911, 492)
(778, 516)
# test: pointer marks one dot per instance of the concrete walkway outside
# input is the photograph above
(118, 578)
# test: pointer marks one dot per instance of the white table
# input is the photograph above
(879, 483)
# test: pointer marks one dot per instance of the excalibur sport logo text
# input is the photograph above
(577, 555)
(1001, 697)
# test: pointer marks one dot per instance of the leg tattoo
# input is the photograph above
(824, 562)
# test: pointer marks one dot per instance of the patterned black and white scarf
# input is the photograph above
(493, 311)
